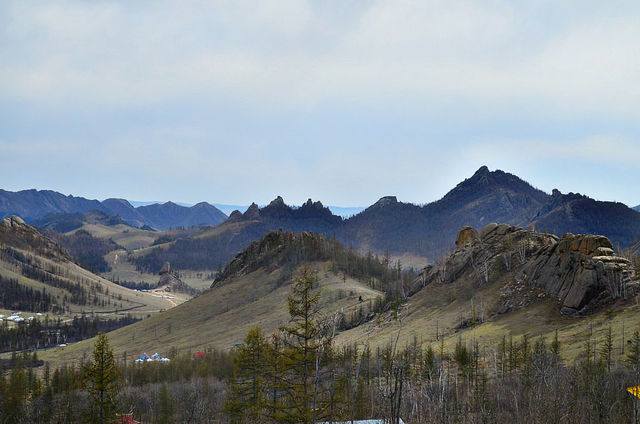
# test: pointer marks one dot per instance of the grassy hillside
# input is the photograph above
(450, 301)
(222, 316)
(33, 261)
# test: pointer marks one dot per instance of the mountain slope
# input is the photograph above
(33, 204)
(507, 282)
(483, 198)
(575, 213)
(473, 293)
(637, 208)
(251, 290)
(39, 268)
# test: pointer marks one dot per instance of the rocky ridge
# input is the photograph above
(580, 271)
(15, 233)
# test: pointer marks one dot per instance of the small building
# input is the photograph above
(125, 419)
(156, 357)
(200, 354)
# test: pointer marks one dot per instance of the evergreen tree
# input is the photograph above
(302, 338)
(101, 380)
(248, 396)
(606, 351)
(633, 357)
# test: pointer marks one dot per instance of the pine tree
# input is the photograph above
(633, 357)
(248, 399)
(275, 377)
(606, 350)
(101, 379)
(302, 338)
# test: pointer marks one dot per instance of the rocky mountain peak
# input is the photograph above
(483, 170)
(277, 202)
(386, 201)
(252, 212)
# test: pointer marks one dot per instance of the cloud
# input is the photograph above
(343, 100)
(293, 53)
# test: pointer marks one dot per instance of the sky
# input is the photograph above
(340, 101)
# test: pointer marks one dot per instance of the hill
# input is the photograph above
(252, 290)
(502, 282)
(637, 208)
(38, 275)
(388, 226)
(33, 205)
(509, 282)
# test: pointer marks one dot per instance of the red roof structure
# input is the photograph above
(200, 354)
(126, 419)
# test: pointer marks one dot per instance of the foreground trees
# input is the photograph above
(298, 375)
(101, 377)
(280, 381)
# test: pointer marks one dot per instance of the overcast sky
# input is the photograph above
(342, 101)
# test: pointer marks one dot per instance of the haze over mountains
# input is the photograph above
(388, 225)
(404, 228)
(35, 204)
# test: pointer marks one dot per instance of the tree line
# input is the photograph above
(298, 375)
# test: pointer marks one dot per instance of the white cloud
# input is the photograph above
(292, 54)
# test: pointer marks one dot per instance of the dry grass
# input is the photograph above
(222, 316)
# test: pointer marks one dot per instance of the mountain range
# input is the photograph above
(32, 205)
(397, 228)
(387, 226)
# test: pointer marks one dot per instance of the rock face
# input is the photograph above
(172, 283)
(466, 235)
(166, 268)
(581, 271)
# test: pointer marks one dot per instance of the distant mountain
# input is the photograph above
(169, 215)
(404, 228)
(637, 208)
(427, 230)
(575, 213)
(33, 205)
(65, 222)
(211, 249)
(342, 211)
(386, 226)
